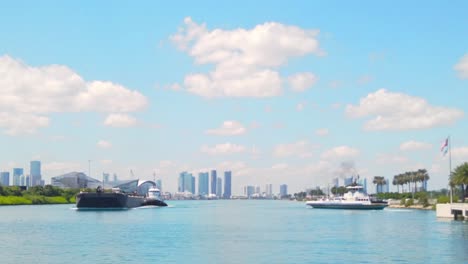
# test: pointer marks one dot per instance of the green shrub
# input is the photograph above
(14, 200)
(443, 199)
(409, 202)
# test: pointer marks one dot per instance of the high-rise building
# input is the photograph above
(257, 189)
(249, 190)
(4, 178)
(28, 181)
(105, 177)
(219, 187)
(283, 190)
(227, 185)
(188, 182)
(348, 181)
(35, 172)
(335, 183)
(363, 183)
(159, 185)
(203, 182)
(269, 190)
(17, 172)
(115, 177)
(192, 181)
(213, 182)
(181, 185)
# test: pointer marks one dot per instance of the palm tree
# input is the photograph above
(395, 182)
(460, 177)
(379, 181)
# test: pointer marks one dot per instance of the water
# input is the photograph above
(228, 232)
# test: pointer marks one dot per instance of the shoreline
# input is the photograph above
(416, 206)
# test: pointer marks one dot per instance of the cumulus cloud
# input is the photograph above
(228, 128)
(120, 120)
(398, 111)
(245, 60)
(30, 94)
(104, 144)
(462, 67)
(302, 81)
(226, 148)
(341, 152)
(300, 106)
(460, 153)
(301, 149)
(414, 145)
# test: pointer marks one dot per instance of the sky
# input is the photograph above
(278, 92)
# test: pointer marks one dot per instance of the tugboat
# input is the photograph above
(154, 198)
(353, 199)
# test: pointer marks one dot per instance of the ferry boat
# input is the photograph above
(354, 198)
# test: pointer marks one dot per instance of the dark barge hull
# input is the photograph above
(100, 200)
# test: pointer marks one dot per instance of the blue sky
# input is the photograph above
(278, 92)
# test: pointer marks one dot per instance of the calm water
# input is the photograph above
(228, 232)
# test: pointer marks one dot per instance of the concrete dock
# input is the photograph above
(453, 210)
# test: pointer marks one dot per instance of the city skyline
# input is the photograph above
(275, 92)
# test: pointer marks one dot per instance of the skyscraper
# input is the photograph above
(4, 178)
(192, 181)
(269, 190)
(159, 185)
(17, 172)
(219, 187)
(181, 185)
(213, 181)
(283, 190)
(35, 172)
(203, 183)
(227, 185)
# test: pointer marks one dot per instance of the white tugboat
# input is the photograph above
(354, 198)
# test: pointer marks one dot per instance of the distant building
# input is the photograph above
(348, 181)
(35, 173)
(5, 178)
(181, 184)
(159, 185)
(283, 190)
(75, 180)
(213, 181)
(227, 185)
(192, 181)
(219, 187)
(28, 181)
(105, 177)
(363, 183)
(203, 183)
(17, 173)
(249, 190)
(335, 183)
(269, 190)
(115, 177)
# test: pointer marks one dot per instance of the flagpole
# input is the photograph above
(450, 167)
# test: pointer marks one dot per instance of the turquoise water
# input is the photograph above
(228, 232)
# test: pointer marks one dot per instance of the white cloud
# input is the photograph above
(462, 67)
(460, 153)
(365, 79)
(120, 120)
(322, 132)
(104, 144)
(301, 149)
(414, 145)
(341, 152)
(228, 128)
(300, 106)
(226, 148)
(245, 60)
(398, 111)
(30, 93)
(300, 82)
(106, 161)
(21, 123)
